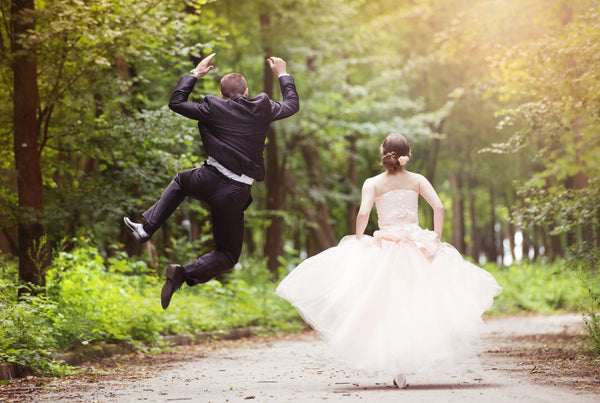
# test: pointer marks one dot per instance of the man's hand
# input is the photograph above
(277, 65)
(204, 66)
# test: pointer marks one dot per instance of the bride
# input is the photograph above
(399, 302)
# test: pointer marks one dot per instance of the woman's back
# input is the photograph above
(386, 182)
(397, 208)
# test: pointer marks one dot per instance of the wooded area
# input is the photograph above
(499, 99)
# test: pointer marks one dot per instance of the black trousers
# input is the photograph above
(227, 200)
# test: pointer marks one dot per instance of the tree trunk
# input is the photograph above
(273, 179)
(511, 238)
(475, 239)
(458, 219)
(540, 240)
(596, 229)
(274, 204)
(528, 236)
(354, 187)
(319, 239)
(512, 228)
(33, 250)
(249, 242)
(432, 156)
(494, 243)
(313, 162)
(556, 249)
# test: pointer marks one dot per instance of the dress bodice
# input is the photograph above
(398, 216)
(397, 208)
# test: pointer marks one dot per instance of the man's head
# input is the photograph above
(232, 84)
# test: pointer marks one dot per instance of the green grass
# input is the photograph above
(538, 288)
(92, 299)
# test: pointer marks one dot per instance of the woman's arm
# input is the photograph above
(366, 204)
(429, 194)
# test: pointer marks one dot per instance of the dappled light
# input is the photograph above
(499, 99)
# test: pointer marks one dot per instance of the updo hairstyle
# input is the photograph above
(393, 147)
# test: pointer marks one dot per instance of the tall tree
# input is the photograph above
(549, 79)
(33, 254)
(274, 174)
(78, 140)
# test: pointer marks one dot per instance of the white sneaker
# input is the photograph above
(400, 381)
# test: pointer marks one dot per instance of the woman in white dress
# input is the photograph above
(399, 302)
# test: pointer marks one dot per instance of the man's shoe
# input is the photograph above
(175, 278)
(137, 230)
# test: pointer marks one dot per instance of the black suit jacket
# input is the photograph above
(233, 131)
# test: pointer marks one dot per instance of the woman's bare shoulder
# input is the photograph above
(374, 180)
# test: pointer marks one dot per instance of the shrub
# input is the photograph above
(28, 330)
(89, 298)
(537, 287)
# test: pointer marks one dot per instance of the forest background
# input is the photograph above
(500, 100)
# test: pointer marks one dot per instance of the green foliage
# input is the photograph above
(585, 260)
(244, 297)
(118, 304)
(553, 116)
(538, 288)
(27, 330)
(439, 71)
(592, 314)
(551, 95)
(92, 299)
(102, 65)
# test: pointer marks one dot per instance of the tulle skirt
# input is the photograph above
(391, 306)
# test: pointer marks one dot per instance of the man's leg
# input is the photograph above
(184, 184)
(227, 206)
(227, 202)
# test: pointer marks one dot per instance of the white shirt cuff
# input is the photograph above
(284, 74)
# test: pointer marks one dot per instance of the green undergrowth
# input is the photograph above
(538, 288)
(90, 298)
(549, 289)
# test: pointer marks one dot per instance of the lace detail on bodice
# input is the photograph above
(397, 208)
(398, 215)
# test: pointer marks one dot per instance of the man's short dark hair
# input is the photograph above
(233, 83)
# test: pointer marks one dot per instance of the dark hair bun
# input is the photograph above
(394, 146)
(390, 162)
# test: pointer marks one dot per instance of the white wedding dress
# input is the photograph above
(398, 302)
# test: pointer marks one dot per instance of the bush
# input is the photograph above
(246, 297)
(92, 299)
(28, 332)
(585, 259)
(110, 302)
(537, 287)
(592, 324)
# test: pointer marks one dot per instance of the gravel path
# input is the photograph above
(297, 368)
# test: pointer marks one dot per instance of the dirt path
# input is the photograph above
(297, 368)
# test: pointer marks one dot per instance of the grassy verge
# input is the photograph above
(92, 299)
(539, 288)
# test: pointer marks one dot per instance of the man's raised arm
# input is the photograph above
(178, 102)
(291, 102)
